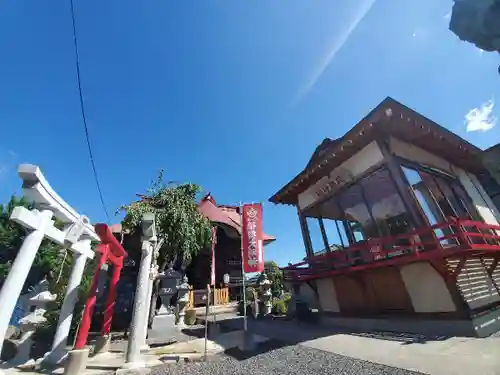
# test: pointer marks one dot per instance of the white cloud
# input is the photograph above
(337, 44)
(447, 16)
(481, 119)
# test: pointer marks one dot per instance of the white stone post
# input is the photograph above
(153, 274)
(58, 351)
(39, 222)
(139, 317)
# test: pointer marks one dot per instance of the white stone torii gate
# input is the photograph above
(76, 236)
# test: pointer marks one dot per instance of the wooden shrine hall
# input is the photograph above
(406, 238)
(227, 248)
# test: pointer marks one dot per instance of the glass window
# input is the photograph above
(335, 232)
(424, 196)
(385, 203)
(358, 218)
(465, 200)
(315, 235)
(426, 201)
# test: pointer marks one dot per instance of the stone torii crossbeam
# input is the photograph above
(76, 236)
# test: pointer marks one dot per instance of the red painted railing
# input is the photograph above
(440, 240)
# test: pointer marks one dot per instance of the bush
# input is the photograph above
(250, 294)
(190, 317)
(286, 297)
(279, 307)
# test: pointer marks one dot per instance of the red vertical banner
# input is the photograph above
(252, 238)
(214, 241)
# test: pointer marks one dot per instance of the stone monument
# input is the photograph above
(169, 281)
(34, 302)
(266, 295)
(164, 322)
(182, 299)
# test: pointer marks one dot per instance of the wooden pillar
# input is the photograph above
(81, 339)
(400, 181)
(323, 234)
(305, 233)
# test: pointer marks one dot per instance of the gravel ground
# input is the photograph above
(274, 359)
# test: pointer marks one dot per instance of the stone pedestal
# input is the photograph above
(164, 322)
(163, 327)
(102, 344)
(76, 361)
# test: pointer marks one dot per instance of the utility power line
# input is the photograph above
(84, 117)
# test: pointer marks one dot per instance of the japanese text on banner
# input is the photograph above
(252, 237)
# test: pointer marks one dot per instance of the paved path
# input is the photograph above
(451, 356)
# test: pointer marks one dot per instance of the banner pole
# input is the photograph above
(212, 278)
(245, 326)
(207, 315)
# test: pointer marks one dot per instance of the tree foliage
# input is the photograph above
(275, 276)
(178, 222)
(49, 257)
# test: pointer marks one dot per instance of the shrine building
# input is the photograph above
(227, 249)
(407, 239)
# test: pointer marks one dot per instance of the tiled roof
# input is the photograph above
(227, 215)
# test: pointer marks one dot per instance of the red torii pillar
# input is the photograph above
(108, 250)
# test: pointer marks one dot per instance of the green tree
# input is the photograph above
(48, 258)
(184, 231)
(275, 276)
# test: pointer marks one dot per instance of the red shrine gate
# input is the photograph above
(109, 250)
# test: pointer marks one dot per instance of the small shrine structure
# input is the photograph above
(399, 233)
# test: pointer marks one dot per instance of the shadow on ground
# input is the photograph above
(283, 332)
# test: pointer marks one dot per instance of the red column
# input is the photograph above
(111, 300)
(83, 332)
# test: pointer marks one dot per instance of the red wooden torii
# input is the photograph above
(108, 250)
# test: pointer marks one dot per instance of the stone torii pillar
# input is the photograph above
(153, 274)
(39, 222)
(141, 303)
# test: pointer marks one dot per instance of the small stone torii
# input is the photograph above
(76, 236)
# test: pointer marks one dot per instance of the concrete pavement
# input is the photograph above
(434, 356)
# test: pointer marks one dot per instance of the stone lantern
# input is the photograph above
(182, 299)
(266, 295)
(35, 302)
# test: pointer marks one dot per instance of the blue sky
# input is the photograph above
(233, 95)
